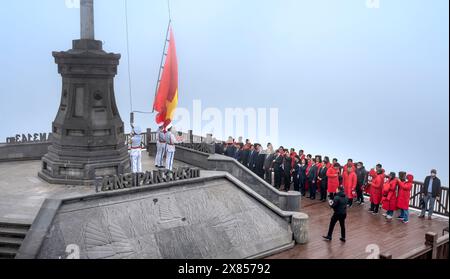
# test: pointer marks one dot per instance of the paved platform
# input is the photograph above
(23, 192)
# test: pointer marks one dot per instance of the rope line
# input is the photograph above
(128, 56)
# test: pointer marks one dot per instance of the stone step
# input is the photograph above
(7, 253)
(14, 232)
(12, 242)
(15, 225)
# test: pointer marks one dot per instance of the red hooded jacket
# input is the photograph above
(390, 195)
(404, 192)
(349, 181)
(333, 180)
(376, 186)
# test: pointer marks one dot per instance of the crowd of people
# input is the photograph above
(321, 178)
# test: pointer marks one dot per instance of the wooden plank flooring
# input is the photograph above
(363, 230)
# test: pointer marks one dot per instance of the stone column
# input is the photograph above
(209, 138)
(300, 227)
(87, 19)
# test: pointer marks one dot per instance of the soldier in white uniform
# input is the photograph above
(136, 151)
(171, 140)
(160, 147)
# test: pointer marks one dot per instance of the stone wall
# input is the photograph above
(216, 217)
(285, 201)
(23, 151)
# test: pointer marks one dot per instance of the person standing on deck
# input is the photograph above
(312, 179)
(277, 163)
(361, 174)
(333, 179)
(323, 181)
(349, 181)
(431, 192)
(404, 194)
(287, 167)
(390, 196)
(302, 176)
(259, 162)
(296, 173)
(339, 205)
(375, 187)
(268, 163)
(171, 140)
(160, 147)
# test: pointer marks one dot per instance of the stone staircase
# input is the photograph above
(11, 238)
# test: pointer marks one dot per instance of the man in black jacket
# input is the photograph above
(431, 192)
(312, 179)
(252, 157)
(277, 163)
(361, 175)
(270, 156)
(259, 161)
(287, 167)
(339, 205)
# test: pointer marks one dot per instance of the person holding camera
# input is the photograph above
(339, 205)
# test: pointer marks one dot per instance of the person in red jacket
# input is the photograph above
(349, 180)
(333, 180)
(375, 186)
(404, 194)
(293, 154)
(390, 196)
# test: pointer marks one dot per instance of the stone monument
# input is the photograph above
(88, 137)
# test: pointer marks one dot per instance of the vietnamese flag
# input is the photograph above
(166, 99)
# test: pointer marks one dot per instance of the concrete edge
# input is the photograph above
(272, 252)
(40, 227)
(35, 237)
(259, 198)
(239, 165)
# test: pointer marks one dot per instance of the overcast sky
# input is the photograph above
(349, 81)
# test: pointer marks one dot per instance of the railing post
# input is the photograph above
(149, 138)
(190, 136)
(385, 256)
(209, 138)
(431, 240)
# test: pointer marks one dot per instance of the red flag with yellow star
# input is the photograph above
(166, 99)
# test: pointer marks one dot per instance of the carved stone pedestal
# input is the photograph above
(88, 137)
(300, 227)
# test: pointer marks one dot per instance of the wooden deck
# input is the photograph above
(364, 231)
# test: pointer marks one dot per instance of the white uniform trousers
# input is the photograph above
(170, 156)
(160, 150)
(136, 160)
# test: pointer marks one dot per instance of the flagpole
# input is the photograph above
(162, 62)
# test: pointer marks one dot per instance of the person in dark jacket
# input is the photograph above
(259, 161)
(302, 176)
(238, 153)
(230, 150)
(252, 158)
(312, 179)
(296, 174)
(361, 181)
(339, 205)
(277, 162)
(268, 164)
(219, 148)
(431, 192)
(287, 167)
(246, 152)
(323, 181)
